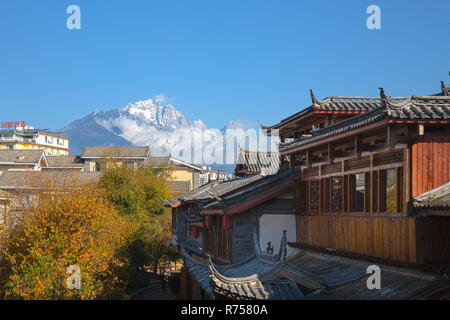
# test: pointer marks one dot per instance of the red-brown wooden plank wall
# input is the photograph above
(430, 165)
(385, 237)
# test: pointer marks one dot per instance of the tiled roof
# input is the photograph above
(436, 198)
(21, 156)
(419, 108)
(357, 105)
(228, 194)
(181, 186)
(346, 279)
(156, 162)
(259, 285)
(426, 108)
(266, 163)
(239, 195)
(215, 187)
(252, 285)
(340, 104)
(32, 179)
(115, 152)
(64, 162)
(326, 276)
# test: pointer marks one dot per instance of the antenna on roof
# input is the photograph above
(444, 89)
(313, 98)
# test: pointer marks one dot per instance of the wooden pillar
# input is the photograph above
(344, 188)
(321, 190)
(292, 160)
(391, 137)
(372, 183)
(309, 158)
(330, 153)
(406, 178)
(358, 142)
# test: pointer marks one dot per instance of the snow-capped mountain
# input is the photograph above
(151, 122)
(152, 112)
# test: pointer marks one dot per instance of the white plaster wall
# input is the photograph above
(271, 228)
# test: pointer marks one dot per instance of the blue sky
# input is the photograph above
(214, 60)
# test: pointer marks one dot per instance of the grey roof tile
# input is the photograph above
(21, 156)
(436, 198)
(115, 152)
(64, 162)
(413, 108)
(32, 179)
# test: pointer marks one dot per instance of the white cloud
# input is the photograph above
(189, 141)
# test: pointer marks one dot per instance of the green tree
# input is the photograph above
(139, 194)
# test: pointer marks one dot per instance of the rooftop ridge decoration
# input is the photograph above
(283, 251)
(444, 89)
(213, 195)
(348, 105)
(313, 98)
(262, 125)
(261, 286)
(419, 108)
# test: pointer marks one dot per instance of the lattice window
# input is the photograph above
(314, 195)
(336, 194)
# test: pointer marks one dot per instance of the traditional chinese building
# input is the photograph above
(363, 178)
(257, 162)
(360, 176)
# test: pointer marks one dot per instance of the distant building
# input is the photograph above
(94, 157)
(33, 139)
(19, 188)
(22, 160)
(184, 175)
(208, 175)
(60, 163)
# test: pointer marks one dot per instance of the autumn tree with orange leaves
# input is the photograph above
(54, 225)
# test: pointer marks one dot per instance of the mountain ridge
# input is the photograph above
(147, 122)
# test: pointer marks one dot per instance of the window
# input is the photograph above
(357, 192)
(10, 146)
(388, 191)
(336, 194)
(129, 164)
(314, 195)
(391, 191)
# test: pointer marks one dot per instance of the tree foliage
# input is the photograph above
(139, 196)
(58, 228)
(110, 229)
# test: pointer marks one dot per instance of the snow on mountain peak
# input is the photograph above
(153, 112)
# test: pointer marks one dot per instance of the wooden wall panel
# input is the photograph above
(430, 165)
(432, 237)
(384, 237)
